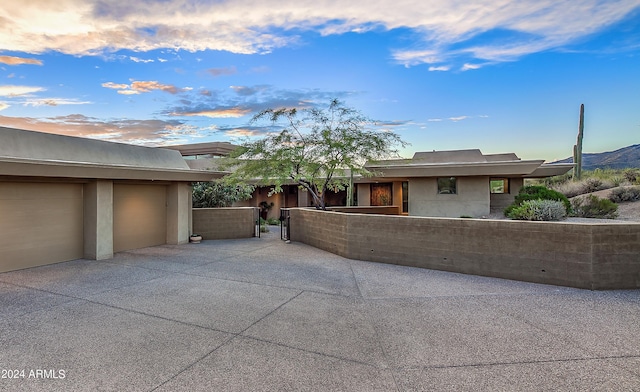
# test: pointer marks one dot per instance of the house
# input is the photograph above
(451, 183)
(64, 198)
(437, 184)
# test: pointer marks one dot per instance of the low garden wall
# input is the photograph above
(583, 255)
(381, 210)
(224, 223)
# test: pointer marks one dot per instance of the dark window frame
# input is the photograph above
(447, 185)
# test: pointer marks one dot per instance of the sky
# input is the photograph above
(498, 75)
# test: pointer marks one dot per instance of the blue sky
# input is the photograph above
(502, 76)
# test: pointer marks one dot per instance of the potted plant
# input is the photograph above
(195, 238)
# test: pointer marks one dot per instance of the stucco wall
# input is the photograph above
(224, 223)
(364, 194)
(591, 256)
(471, 199)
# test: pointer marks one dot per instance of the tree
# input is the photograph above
(315, 149)
(221, 193)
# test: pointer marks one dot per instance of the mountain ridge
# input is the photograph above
(621, 158)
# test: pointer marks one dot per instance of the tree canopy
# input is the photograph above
(317, 149)
(220, 193)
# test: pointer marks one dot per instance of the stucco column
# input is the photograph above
(178, 213)
(364, 194)
(303, 198)
(98, 220)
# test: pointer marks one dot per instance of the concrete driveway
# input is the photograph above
(263, 315)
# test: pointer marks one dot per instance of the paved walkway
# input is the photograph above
(262, 315)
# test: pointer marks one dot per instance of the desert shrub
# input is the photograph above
(588, 185)
(631, 175)
(596, 184)
(539, 210)
(536, 192)
(592, 206)
(617, 181)
(552, 182)
(264, 229)
(619, 195)
(571, 188)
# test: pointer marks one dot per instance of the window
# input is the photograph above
(499, 185)
(405, 196)
(447, 185)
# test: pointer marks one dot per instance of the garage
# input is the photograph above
(139, 216)
(41, 223)
(66, 198)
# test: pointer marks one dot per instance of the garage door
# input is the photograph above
(139, 216)
(40, 224)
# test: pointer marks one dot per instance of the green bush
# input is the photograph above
(592, 206)
(219, 193)
(619, 195)
(537, 192)
(273, 221)
(539, 210)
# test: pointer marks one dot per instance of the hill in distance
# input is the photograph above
(618, 159)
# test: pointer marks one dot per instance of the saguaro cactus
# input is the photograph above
(577, 149)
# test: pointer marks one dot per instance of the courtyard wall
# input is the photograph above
(583, 255)
(225, 223)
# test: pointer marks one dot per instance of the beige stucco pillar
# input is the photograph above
(178, 213)
(303, 198)
(364, 194)
(98, 220)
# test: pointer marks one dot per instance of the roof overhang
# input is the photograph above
(213, 148)
(550, 170)
(63, 169)
(457, 169)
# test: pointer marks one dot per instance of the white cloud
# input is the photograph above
(139, 60)
(459, 118)
(234, 112)
(53, 102)
(128, 92)
(137, 87)
(442, 27)
(115, 86)
(16, 91)
(468, 67)
(440, 68)
(3, 105)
